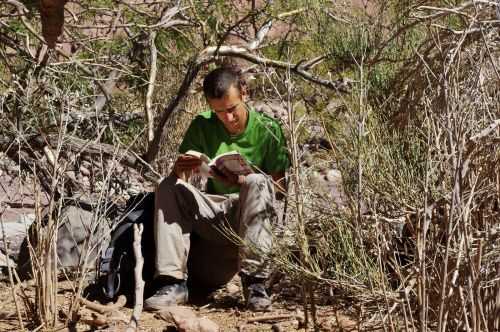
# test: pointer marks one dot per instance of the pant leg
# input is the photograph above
(180, 209)
(257, 214)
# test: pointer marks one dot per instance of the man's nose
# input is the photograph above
(229, 116)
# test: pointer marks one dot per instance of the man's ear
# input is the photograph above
(243, 92)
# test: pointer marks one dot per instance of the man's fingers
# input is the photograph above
(225, 172)
(187, 162)
(189, 159)
(228, 176)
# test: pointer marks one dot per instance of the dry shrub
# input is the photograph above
(433, 168)
(422, 180)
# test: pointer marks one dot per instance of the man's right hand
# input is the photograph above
(185, 165)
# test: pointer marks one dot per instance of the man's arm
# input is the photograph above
(280, 185)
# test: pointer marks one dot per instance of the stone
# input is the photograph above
(80, 236)
(15, 232)
(5, 261)
(202, 324)
(173, 313)
(186, 320)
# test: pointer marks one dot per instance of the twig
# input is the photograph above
(139, 283)
(273, 318)
(151, 86)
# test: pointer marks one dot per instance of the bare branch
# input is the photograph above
(154, 145)
(151, 86)
(207, 54)
(105, 308)
(139, 283)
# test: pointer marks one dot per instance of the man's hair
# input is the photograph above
(217, 83)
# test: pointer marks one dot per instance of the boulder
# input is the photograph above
(79, 238)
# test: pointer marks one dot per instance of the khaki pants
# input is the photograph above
(197, 227)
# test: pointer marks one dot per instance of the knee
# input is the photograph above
(256, 180)
(169, 186)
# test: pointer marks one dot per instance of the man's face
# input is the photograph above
(231, 110)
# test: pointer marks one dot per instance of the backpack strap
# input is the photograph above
(110, 260)
(111, 267)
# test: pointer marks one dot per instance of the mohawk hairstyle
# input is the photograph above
(217, 83)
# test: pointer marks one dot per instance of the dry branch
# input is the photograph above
(104, 308)
(273, 318)
(151, 86)
(154, 145)
(342, 85)
(208, 55)
(139, 282)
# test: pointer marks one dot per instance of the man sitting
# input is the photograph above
(244, 204)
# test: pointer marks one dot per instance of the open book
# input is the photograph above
(232, 161)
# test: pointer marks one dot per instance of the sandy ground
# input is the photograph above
(226, 309)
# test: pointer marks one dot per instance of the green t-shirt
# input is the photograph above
(262, 144)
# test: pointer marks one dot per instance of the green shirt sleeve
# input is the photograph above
(277, 158)
(193, 138)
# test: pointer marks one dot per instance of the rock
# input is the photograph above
(6, 261)
(272, 109)
(340, 322)
(85, 171)
(170, 314)
(77, 226)
(185, 320)
(15, 232)
(202, 324)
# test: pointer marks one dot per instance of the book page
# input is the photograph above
(232, 161)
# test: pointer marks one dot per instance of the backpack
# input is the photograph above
(117, 262)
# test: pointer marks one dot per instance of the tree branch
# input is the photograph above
(208, 55)
(151, 86)
(139, 283)
(154, 145)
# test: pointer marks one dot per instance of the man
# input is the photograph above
(191, 227)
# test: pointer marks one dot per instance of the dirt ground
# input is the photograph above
(225, 308)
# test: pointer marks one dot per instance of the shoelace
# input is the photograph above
(167, 289)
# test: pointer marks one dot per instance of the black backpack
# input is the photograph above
(117, 262)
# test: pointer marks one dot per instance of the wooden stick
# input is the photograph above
(273, 318)
(139, 283)
(97, 321)
(104, 308)
(151, 86)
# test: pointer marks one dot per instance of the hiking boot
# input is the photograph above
(258, 299)
(254, 291)
(170, 294)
